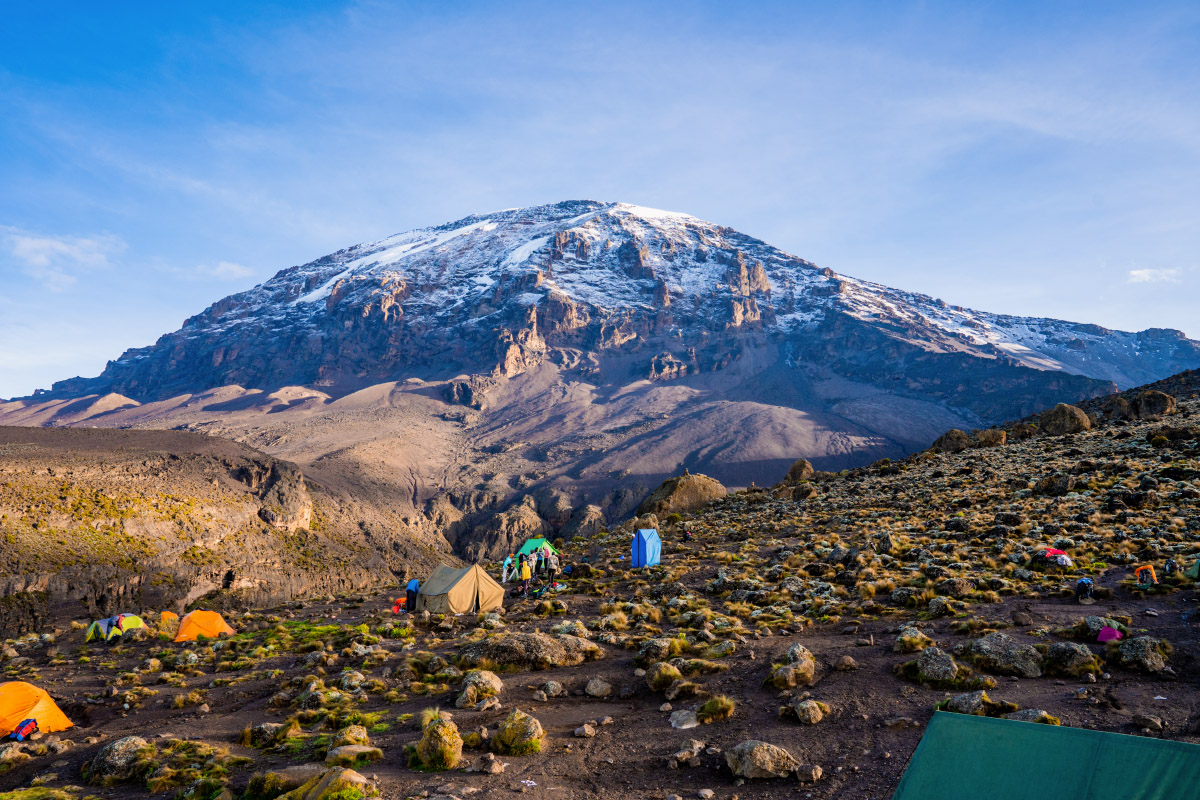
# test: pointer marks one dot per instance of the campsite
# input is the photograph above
(801, 638)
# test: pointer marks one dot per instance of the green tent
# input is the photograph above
(536, 544)
(982, 758)
(1193, 571)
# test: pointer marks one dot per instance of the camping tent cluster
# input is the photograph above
(195, 624)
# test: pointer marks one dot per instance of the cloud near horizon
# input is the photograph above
(1155, 275)
(55, 261)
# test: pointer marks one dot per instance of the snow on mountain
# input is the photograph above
(495, 292)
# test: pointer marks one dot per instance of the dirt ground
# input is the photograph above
(875, 723)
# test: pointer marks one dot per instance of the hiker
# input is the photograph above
(551, 568)
(1171, 567)
(1083, 591)
(508, 562)
(687, 534)
(410, 595)
(526, 575)
(541, 561)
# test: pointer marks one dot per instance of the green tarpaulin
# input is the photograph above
(981, 758)
(536, 544)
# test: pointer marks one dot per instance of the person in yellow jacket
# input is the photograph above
(526, 575)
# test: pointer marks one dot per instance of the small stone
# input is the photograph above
(705, 794)
(665, 707)
(585, 731)
(1149, 722)
(809, 773)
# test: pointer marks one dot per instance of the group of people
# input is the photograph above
(542, 563)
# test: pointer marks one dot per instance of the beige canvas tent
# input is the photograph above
(459, 591)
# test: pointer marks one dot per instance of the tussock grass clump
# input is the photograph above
(716, 709)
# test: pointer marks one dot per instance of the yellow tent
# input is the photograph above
(459, 591)
(20, 701)
(208, 624)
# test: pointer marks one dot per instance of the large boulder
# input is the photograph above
(755, 759)
(1001, 654)
(802, 470)
(1063, 419)
(991, 437)
(952, 441)
(441, 745)
(519, 734)
(531, 651)
(682, 494)
(116, 761)
(1152, 404)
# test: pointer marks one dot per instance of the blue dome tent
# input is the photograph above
(647, 548)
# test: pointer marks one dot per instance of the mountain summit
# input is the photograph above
(498, 293)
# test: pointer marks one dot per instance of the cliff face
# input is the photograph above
(97, 522)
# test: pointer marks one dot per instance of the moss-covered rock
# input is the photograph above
(519, 734)
(441, 745)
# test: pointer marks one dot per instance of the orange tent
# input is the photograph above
(208, 624)
(20, 701)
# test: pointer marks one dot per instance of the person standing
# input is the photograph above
(526, 575)
(504, 574)
(551, 568)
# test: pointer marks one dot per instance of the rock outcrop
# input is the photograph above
(681, 495)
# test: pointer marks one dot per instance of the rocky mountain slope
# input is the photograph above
(540, 370)
(94, 521)
(795, 642)
(499, 293)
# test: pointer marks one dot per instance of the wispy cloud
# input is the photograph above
(226, 271)
(1155, 275)
(55, 261)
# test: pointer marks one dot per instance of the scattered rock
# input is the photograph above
(755, 759)
(115, 761)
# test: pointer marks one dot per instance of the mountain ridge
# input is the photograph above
(537, 278)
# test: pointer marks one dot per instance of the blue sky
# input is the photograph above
(1027, 158)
